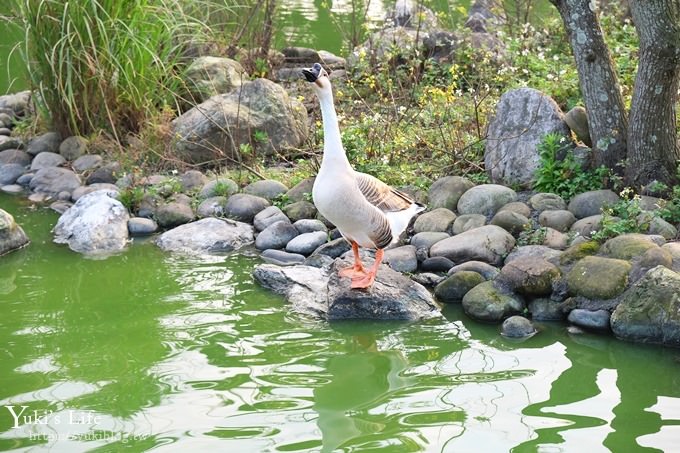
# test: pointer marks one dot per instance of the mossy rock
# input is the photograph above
(595, 277)
(579, 251)
(300, 210)
(628, 246)
(530, 276)
(485, 302)
(456, 286)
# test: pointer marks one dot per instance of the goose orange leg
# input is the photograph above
(357, 270)
(368, 279)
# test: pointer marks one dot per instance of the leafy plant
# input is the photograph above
(131, 197)
(281, 200)
(622, 218)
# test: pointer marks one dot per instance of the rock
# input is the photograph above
(318, 261)
(517, 327)
(587, 226)
(306, 243)
(45, 160)
(555, 239)
(627, 246)
(437, 220)
(169, 215)
(485, 199)
(530, 277)
(440, 45)
(269, 216)
(48, 142)
(268, 189)
(17, 103)
(300, 210)
(659, 226)
(331, 59)
(9, 173)
(40, 198)
(95, 225)
(595, 277)
(12, 189)
(427, 239)
(411, 14)
(488, 243)
(84, 190)
(524, 116)
(577, 120)
(388, 44)
(209, 76)
(276, 236)
(517, 207)
(52, 180)
(436, 264)
(487, 303)
(192, 180)
(591, 203)
(445, 192)
(649, 311)
(674, 249)
(302, 191)
(484, 269)
(537, 252)
(456, 286)
(560, 220)
(547, 201)
(281, 258)
(73, 147)
(15, 156)
(220, 125)
(310, 225)
(511, 222)
(579, 251)
(12, 236)
(87, 162)
(468, 222)
(211, 207)
(106, 173)
(25, 179)
(207, 236)
(10, 143)
(334, 248)
(543, 309)
(402, 259)
(587, 319)
(301, 56)
(320, 293)
(60, 206)
(244, 207)
(148, 205)
(140, 226)
(220, 187)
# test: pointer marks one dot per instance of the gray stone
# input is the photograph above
(445, 192)
(591, 203)
(577, 120)
(148, 205)
(269, 216)
(243, 207)
(302, 191)
(402, 259)
(649, 311)
(486, 270)
(73, 147)
(87, 162)
(47, 142)
(268, 189)
(25, 179)
(52, 180)
(84, 190)
(555, 239)
(306, 243)
(207, 236)
(9, 173)
(437, 220)
(485, 199)
(427, 239)
(45, 160)
(427, 279)
(281, 258)
(5, 131)
(560, 220)
(485, 302)
(595, 320)
(628, 246)
(220, 187)
(543, 309)
(587, 226)
(436, 264)
(322, 294)
(140, 226)
(276, 236)
(15, 156)
(674, 249)
(300, 56)
(517, 327)
(219, 126)
(10, 143)
(169, 215)
(411, 14)
(12, 236)
(95, 225)
(538, 252)
(13, 189)
(60, 206)
(660, 227)
(488, 243)
(310, 225)
(208, 76)
(106, 173)
(318, 261)
(512, 222)
(524, 116)
(300, 210)
(17, 103)
(530, 277)
(456, 286)
(517, 207)
(468, 222)
(192, 180)
(547, 201)
(334, 248)
(211, 207)
(595, 277)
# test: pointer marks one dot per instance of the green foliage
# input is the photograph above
(621, 218)
(131, 197)
(532, 237)
(281, 200)
(564, 177)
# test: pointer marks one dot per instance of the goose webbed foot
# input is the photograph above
(355, 271)
(364, 281)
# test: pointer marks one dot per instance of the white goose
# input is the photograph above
(368, 212)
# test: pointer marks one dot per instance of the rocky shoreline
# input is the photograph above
(469, 248)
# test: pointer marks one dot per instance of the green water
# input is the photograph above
(147, 350)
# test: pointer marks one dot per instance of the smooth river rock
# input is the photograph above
(206, 236)
(489, 243)
(12, 236)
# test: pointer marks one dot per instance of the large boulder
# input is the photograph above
(209, 76)
(523, 118)
(321, 293)
(590, 203)
(259, 114)
(649, 311)
(595, 277)
(207, 236)
(489, 243)
(12, 236)
(53, 180)
(97, 224)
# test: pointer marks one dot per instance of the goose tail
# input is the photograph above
(399, 220)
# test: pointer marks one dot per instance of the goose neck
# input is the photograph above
(331, 130)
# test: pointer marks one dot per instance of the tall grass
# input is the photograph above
(104, 64)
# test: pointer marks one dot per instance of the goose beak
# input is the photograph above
(311, 74)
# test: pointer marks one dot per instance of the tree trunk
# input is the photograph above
(597, 79)
(653, 152)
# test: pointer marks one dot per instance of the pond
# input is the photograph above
(149, 350)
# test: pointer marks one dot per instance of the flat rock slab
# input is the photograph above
(321, 293)
(209, 235)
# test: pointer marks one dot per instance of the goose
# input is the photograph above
(367, 212)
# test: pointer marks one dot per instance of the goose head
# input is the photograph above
(319, 77)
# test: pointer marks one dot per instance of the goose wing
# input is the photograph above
(382, 196)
